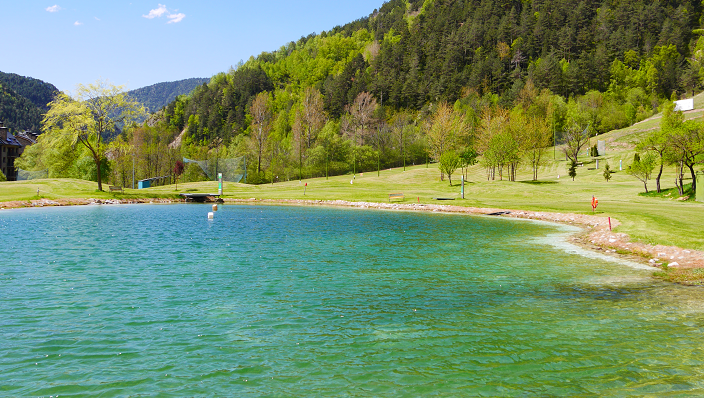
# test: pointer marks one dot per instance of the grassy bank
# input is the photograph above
(649, 219)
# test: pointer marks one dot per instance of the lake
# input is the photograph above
(132, 300)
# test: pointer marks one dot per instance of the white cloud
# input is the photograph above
(176, 18)
(77, 23)
(173, 16)
(54, 8)
(157, 12)
(97, 19)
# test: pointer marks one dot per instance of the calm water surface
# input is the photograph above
(142, 300)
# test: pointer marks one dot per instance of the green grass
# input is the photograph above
(66, 188)
(684, 276)
(654, 219)
(650, 219)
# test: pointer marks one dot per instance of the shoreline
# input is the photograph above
(595, 236)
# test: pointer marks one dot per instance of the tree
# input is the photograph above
(607, 172)
(469, 158)
(658, 141)
(178, 170)
(494, 123)
(261, 125)
(688, 145)
(573, 170)
(537, 138)
(95, 111)
(2, 177)
(575, 139)
(642, 168)
(313, 114)
(445, 132)
(121, 155)
(449, 162)
(362, 116)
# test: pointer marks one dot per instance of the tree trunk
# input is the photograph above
(645, 184)
(100, 180)
(657, 179)
(694, 177)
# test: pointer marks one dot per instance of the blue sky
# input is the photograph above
(140, 43)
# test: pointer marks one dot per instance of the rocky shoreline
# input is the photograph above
(597, 234)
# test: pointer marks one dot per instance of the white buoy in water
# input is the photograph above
(211, 215)
(215, 207)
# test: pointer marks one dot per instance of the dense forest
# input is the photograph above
(158, 95)
(452, 81)
(413, 53)
(23, 101)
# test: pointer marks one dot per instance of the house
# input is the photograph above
(10, 149)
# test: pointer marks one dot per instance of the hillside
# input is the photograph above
(412, 54)
(23, 101)
(158, 95)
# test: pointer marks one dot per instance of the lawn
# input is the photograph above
(655, 220)
(651, 219)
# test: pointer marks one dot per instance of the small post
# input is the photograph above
(220, 184)
(620, 164)
(597, 164)
(304, 189)
(462, 186)
(609, 223)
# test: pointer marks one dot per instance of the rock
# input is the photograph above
(673, 264)
(612, 240)
(652, 261)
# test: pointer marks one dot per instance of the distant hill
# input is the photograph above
(35, 90)
(23, 101)
(158, 95)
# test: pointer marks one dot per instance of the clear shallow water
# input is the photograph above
(289, 301)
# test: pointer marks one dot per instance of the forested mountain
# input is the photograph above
(158, 95)
(23, 101)
(18, 113)
(411, 53)
(451, 81)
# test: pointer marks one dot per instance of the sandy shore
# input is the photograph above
(596, 231)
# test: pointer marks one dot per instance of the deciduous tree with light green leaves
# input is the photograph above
(642, 168)
(449, 162)
(94, 111)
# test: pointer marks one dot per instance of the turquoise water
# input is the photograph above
(141, 300)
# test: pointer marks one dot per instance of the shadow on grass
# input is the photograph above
(538, 182)
(671, 193)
